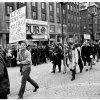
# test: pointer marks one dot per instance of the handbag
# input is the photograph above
(77, 69)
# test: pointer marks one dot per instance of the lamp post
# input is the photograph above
(62, 6)
(93, 14)
(63, 47)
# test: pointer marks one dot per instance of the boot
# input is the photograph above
(73, 75)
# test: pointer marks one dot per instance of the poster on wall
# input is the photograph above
(17, 25)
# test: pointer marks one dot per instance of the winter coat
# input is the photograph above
(75, 58)
(57, 56)
(4, 78)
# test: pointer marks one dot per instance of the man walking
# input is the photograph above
(56, 58)
(24, 59)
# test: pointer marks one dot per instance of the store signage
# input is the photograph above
(36, 29)
(52, 28)
(18, 25)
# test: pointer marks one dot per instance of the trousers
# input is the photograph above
(59, 67)
(25, 78)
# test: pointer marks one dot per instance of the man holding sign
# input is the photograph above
(24, 60)
(18, 33)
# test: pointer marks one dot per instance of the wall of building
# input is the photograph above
(86, 25)
(70, 16)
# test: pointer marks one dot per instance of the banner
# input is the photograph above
(17, 25)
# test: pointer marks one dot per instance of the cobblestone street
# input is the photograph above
(58, 85)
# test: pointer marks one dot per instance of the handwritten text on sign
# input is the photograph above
(18, 25)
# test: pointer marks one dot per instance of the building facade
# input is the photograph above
(49, 12)
(90, 19)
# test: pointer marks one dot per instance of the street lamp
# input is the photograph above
(93, 14)
(62, 6)
(63, 47)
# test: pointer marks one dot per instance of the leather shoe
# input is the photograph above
(53, 72)
(72, 79)
(20, 98)
(36, 89)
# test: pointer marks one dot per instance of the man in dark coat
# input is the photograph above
(56, 58)
(89, 55)
(4, 78)
(83, 53)
(14, 58)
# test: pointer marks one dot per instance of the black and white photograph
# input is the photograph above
(50, 49)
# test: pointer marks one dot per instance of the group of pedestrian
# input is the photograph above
(75, 56)
(38, 54)
(25, 62)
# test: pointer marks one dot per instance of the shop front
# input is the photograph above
(37, 31)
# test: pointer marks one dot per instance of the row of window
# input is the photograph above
(43, 14)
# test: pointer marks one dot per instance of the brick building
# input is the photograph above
(88, 24)
(49, 12)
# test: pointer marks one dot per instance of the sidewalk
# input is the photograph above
(58, 85)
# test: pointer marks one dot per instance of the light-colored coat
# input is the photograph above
(74, 61)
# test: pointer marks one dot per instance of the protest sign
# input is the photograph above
(17, 25)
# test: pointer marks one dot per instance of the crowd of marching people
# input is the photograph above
(73, 56)
(38, 53)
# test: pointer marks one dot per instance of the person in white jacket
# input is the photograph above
(74, 61)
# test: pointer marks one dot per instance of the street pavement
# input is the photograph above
(58, 85)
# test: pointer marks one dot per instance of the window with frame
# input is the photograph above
(76, 3)
(9, 10)
(8, 25)
(63, 11)
(72, 25)
(71, 8)
(68, 6)
(33, 3)
(74, 8)
(58, 19)
(77, 20)
(68, 16)
(51, 7)
(51, 18)
(64, 21)
(44, 16)
(58, 10)
(52, 28)
(71, 16)
(34, 15)
(43, 5)
(77, 9)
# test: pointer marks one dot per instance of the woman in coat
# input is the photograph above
(73, 60)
